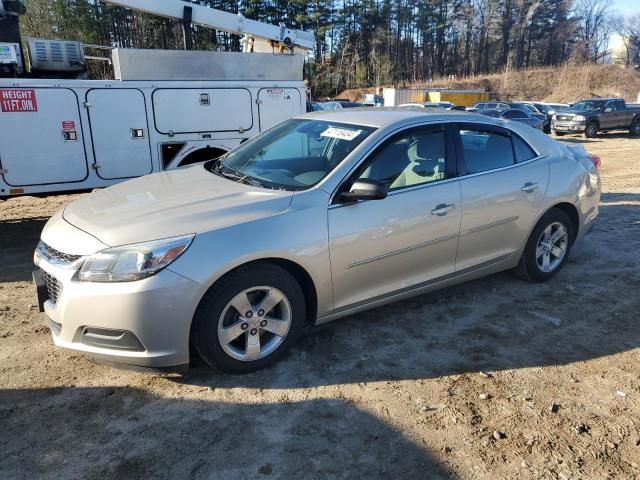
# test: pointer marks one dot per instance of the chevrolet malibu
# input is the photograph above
(322, 216)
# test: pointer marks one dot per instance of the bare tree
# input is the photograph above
(594, 18)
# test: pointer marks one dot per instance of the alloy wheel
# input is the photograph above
(552, 247)
(254, 323)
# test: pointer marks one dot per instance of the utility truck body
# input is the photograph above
(81, 134)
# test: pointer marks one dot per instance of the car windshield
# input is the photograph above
(588, 105)
(293, 155)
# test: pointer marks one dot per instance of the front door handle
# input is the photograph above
(530, 187)
(442, 209)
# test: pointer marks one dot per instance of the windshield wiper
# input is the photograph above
(236, 176)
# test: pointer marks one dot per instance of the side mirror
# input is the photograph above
(608, 110)
(364, 189)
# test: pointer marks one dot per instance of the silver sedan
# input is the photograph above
(322, 216)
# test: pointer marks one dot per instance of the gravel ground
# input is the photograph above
(492, 379)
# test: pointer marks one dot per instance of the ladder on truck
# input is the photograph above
(257, 36)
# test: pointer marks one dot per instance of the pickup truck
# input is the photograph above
(597, 115)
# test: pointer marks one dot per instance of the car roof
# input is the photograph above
(387, 116)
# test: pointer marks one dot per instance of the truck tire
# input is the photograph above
(557, 133)
(591, 130)
(635, 128)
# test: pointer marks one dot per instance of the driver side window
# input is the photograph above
(408, 159)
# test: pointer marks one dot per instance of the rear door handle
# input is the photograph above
(442, 209)
(530, 187)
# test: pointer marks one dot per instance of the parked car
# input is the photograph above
(372, 100)
(550, 109)
(515, 115)
(314, 107)
(430, 105)
(340, 104)
(559, 107)
(488, 106)
(320, 217)
(534, 112)
(598, 115)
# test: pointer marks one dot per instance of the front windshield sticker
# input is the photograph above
(341, 133)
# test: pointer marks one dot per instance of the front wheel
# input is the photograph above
(591, 130)
(249, 319)
(548, 247)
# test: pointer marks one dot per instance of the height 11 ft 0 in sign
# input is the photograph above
(18, 100)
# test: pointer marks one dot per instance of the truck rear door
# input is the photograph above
(120, 133)
(41, 139)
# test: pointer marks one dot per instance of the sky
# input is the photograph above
(626, 6)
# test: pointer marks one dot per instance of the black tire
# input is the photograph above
(634, 131)
(591, 130)
(558, 134)
(204, 331)
(528, 268)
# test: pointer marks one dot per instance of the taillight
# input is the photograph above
(595, 159)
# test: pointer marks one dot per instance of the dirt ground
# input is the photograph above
(492, 379)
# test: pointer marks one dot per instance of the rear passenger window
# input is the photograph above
(484, 150)
(523, 151)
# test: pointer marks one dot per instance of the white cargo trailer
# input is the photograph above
(61, 135)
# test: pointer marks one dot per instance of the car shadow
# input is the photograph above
(18, 240)
(495, 323)
(566, 139)
(130, 433)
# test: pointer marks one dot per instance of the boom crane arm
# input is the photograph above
(223, 21)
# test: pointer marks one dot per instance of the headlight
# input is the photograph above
(133, 262)
(579, 118)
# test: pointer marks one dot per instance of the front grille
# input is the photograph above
(58, 255)
(564, 118)
(54, 287)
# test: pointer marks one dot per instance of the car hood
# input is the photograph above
(167, 204)
(572, 113)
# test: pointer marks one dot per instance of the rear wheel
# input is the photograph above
(548, 247)
(635, 129)
(591, 131)
(249, 319)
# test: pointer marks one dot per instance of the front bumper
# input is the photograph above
(144, 323)
(568, 127)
